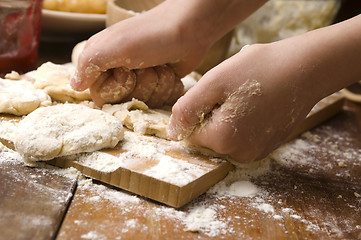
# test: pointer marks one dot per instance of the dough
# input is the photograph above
(55, 80)
(66, 129)
(136, 116)
(19, 97)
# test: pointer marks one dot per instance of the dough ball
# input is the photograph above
(66, 129)
(19, 97)
(55, 80)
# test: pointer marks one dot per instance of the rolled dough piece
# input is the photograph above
(136, 116)
(19, 97)
(66, 129)
(55, 80)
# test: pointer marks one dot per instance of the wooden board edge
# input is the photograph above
(318, 117)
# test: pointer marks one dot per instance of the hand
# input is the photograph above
(142, 57)
(245, 107)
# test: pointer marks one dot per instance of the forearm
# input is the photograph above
(327, 59)
(208, 20)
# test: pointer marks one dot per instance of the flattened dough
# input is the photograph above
(55, 80)
(66, 129)
(136, 116)
(19, 97)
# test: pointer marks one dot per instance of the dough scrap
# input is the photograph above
(136, 116)
(55, 80)
(19, 97)
(66, 129)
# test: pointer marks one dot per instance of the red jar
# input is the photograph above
(20, 23)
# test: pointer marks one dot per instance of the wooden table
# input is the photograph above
(315, 198)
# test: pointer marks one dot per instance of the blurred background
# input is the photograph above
(67, 22)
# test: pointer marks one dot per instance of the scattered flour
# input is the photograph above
(265, 207)
(237, 182)
(138, 147)
(93, 235)
(203, 215)
(243, 188)
(174, 171)
(7, 129)
(205, 220)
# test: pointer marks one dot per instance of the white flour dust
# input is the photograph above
(208, 215)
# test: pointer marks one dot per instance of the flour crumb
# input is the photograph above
(93, 235)
(265, 207)
(205, 220)
(243, 189)
(341, 164)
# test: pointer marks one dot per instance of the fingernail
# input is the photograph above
(74, 81)
(171, 133)
(172, 130)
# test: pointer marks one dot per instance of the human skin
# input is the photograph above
(175, 35)
(246, 106)
(292, 76)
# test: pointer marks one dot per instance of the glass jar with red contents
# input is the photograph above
(20, 23)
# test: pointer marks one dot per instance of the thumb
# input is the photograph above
(195, 106)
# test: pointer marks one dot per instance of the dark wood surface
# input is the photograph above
(33, 202)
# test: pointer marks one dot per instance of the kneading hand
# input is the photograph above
(245, 107)
(142, 57)
(249, 104)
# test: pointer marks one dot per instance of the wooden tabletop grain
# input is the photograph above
(316, 198)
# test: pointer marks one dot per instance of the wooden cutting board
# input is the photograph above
(136, 176)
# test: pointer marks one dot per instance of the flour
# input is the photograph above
(236, 104)
(8, 129)
(136, 148)
(93, 235)
(265, 207)
(204, 219)
(100, 161)
(9, 156)
(207, 215)
(237, 182)
(306, 151)
(175, 171)
(243, 189)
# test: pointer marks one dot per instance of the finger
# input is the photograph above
(95, 87)
(88, 64)
(177, 92)
(224, 132)
(135, 48)
(191, 109)
(164, 87)
(146, 82)
(115, 88)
